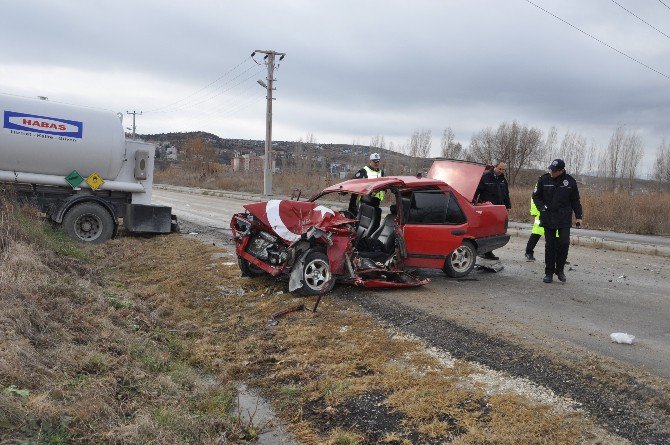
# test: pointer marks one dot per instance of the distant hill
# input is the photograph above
(321, 154)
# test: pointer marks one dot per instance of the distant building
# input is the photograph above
(171, 153)
(249, 162)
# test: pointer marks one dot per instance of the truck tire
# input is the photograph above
(316, 277)
(89, 222)
(461, 261)
(249, 269)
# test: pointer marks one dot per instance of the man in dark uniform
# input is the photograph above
(493, 188)
(556, 197)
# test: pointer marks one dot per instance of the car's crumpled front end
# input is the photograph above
(310, 243)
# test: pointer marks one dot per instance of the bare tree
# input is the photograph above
(591, 162)
(550, 147)
(199, 155)
(662, 165)
(573, 152)
(450, 148)
(624, 153)
(519, 146)
(374, 141)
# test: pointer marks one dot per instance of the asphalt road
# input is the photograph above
(606, 292)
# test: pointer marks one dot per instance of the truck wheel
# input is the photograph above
(249, 269)
(461, 261)
(89, 222)
(316, 277)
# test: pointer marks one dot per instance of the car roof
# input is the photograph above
(364, 186)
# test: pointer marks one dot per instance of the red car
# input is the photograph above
(431, 223)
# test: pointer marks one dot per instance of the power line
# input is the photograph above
(211, 96)
(600, 41)
(246, 59)
(639, 18)
(664, 4)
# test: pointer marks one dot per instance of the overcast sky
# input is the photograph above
(354, 68)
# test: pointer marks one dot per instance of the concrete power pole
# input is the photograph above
(134, 113)
(269, 61)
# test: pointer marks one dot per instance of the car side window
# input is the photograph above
(455, 214)
(428, 208)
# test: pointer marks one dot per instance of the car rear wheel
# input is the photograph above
(316, 277)
(461, 261)
(249, 269)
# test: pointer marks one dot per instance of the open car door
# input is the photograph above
(433, 226)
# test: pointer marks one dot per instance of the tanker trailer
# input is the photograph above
(77, 167)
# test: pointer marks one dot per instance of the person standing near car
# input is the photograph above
(372, 170)
(556, 196)
(536, 233)
(493, 188)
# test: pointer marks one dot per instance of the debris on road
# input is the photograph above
(620, 337)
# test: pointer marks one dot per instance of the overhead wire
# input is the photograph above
(211, 95)
(232, 102)
(600, 41)
(664, 4)
(639, 18)
(242, 105)
(170, 105)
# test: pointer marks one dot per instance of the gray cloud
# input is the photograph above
(357, 68)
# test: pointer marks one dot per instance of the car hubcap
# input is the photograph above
(317, 274)
(88, 227)
(461, 259)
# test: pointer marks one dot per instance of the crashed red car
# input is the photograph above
(431, 222)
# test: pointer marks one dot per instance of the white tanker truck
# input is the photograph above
(77, 167)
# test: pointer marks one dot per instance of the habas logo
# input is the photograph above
(43, 124)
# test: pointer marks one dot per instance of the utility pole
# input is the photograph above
(269, 61)
(134, 113)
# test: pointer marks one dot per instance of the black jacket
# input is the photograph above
(493, 189)
(556, 199)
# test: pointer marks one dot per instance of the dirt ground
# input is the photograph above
(554, 335)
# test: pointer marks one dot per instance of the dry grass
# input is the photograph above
(142, 346)
(84, 360)
(250, 182)
(643, 212)
(313, 365)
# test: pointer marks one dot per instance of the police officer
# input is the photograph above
(372, 170)
(493, 188)
(556, 196)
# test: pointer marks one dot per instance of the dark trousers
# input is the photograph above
(556, 249)
(532, 242)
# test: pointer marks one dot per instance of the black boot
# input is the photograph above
(561, 277)
(548, 278)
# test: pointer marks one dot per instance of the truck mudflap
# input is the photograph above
(382, 278)
(141, 218)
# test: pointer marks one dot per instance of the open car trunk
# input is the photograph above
(462, 176)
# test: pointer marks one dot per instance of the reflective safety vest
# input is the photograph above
(375, 174)
(537, 228)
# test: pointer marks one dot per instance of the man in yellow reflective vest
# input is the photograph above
(372, 170)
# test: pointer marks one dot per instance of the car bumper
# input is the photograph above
(490, 243)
